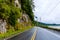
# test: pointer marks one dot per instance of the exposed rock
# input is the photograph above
(17, 4)
(24, 18)
(2, 26)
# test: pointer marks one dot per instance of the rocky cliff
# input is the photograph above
(24, 18)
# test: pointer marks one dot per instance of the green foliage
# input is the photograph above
(12, 32)
(2, 1)
(4, 11)
(9, 12)
(15, 14)
(27, 7)
(39, 24)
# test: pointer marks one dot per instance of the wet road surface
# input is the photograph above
(24, 36)
(41, 34)
(45, 34)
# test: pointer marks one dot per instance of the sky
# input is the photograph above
(47, 11)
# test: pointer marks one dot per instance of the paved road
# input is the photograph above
(41, 34)
(25, 35)
(45, 34)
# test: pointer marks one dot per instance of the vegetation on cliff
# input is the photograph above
(27, 6)
(11, 13)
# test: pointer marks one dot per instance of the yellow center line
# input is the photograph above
(34, 35)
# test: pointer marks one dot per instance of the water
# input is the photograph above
(56, 27)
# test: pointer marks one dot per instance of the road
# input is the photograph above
(41, 34)
(46, 34)
(24, 36)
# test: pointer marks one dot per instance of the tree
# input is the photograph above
(4, 11)
(9, 12)
(15, 14)
(27, 6)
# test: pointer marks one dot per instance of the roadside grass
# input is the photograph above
(10, 32)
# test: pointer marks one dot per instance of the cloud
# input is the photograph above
(47, 10)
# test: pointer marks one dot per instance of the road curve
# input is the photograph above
(41, 34)
(25, 35)
(45, 34)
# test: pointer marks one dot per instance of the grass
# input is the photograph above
(11, 32)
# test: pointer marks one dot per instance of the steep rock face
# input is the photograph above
(3, 23)
(26, 17)
(17, 4)
(2, 26)
(23, 18)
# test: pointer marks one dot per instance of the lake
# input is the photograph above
(56, 27)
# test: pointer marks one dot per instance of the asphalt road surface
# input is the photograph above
(45, 34)
(41, 34)
(24, 36)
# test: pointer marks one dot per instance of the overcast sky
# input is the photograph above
(47, 11)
